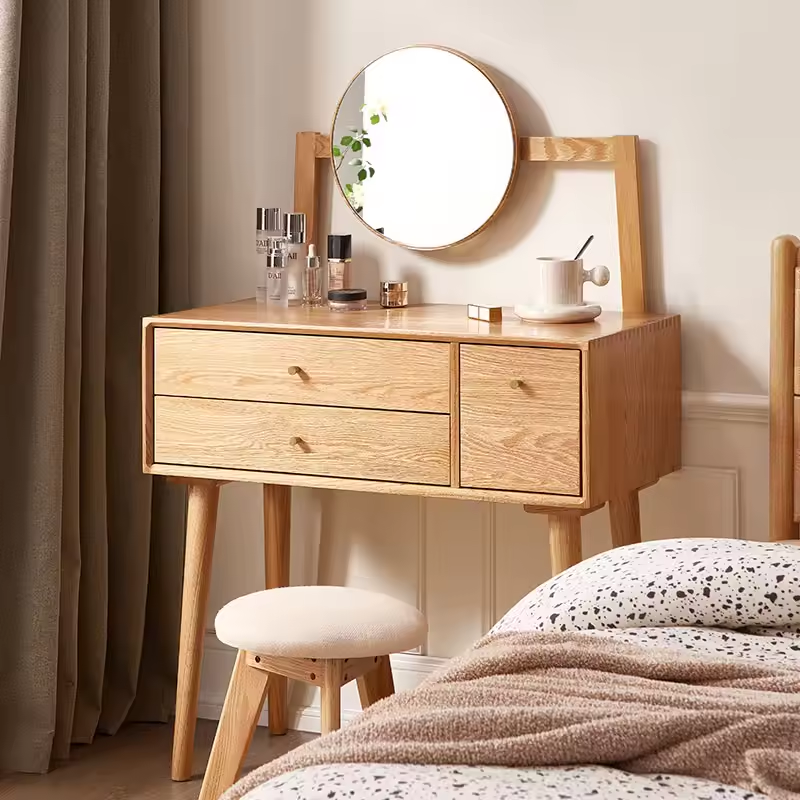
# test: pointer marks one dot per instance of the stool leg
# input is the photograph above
(243, 704)
(376, 684)
(331, 696)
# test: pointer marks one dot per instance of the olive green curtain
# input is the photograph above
(93, 236)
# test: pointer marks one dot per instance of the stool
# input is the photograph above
(323, 635)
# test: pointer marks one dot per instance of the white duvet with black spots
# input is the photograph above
(736, 599)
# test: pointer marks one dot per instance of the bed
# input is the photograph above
(784, 391)
(729, 606)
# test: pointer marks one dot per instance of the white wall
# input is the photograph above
(709, 87)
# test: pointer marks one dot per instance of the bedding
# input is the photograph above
(577, 666)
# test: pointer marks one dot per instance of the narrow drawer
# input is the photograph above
(312, 440)
(520, 419)
(314, 370)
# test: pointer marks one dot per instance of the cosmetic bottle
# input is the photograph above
(295, 232)
(312, 279)
(276, 289)
(269, 227)
(340, 247)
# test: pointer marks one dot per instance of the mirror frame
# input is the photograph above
(516, 152)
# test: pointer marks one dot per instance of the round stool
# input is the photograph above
(323, 635)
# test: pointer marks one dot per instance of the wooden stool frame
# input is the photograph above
(252, 675)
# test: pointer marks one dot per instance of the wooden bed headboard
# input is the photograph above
(784, 390)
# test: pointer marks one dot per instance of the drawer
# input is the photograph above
(314, 370)
(520, 419)
(337, 442)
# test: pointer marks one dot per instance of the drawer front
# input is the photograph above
(314, 370)
(336, 442)
(520, 419)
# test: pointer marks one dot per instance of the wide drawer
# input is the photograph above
(278, 437)
(520, 419)
(314, 370)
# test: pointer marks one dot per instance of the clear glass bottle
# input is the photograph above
(269, 226)
(275, 273)
(295, 232)
(312, 279)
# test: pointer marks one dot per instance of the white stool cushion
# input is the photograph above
(320, 622)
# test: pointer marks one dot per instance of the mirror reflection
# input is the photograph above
(423, 147)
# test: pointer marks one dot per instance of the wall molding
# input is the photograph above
(725, 407)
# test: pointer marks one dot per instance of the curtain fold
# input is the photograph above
(93, 236)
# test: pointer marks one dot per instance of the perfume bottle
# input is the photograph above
(269, 226)
(340, 248)
(312, 279)
(276, 278)
(295, 232)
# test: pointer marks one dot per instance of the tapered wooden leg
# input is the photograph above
(243, 704)
(331, 697)
(201, 523)
(565, 541)
(277, 525)
(624, 515)
(376, 684)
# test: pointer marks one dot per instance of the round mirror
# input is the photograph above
(423, 147)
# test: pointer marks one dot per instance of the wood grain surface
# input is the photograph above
(632, 411)
(525, 438)
(565, 541)
(784, 383)
(277, 557)
(340, 442)
(359, 373)
(201, 526)
(443, 323)
(629, 223)
(237, 724)
(555, 148)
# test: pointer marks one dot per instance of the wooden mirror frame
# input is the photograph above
(619, 152)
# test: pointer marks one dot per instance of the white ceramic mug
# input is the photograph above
(559, 281)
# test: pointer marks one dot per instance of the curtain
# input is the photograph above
(93, 236)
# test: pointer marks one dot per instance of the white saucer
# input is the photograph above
(581, 313)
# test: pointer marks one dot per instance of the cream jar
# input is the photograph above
(394, 294)
(347, 299)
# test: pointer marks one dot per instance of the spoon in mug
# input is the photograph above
(583, 249)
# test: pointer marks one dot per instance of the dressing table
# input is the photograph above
(559, 418)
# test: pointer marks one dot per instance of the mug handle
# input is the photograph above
(599, 276)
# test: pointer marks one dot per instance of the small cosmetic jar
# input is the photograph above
(394, 294)
(347, 299)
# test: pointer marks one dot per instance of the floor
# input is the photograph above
(134, 765)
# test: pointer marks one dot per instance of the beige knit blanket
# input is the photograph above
(553, 699)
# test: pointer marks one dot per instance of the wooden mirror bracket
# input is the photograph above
(619, 152)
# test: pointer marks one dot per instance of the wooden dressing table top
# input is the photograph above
(428, 322)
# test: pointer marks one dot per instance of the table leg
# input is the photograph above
(201, 523)
(565, 541)
(277, 525)
(623, 513)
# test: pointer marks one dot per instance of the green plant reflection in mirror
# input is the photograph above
(424, 147)
(356, 141)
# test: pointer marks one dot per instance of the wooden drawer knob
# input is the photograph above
(293, 440)
(294, 370)
(515, 383)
